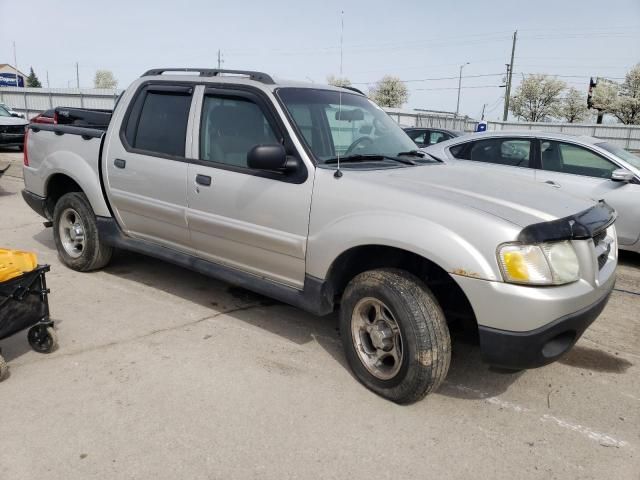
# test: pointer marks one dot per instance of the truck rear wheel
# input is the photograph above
(75, 231)
(395, 335)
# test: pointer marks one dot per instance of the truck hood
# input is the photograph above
(513, 198)
(13, 121)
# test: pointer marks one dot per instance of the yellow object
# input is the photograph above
(516, 266)
(14, 263)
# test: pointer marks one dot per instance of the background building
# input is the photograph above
(8, 76)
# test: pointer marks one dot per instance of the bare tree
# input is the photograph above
(573, 107)
(105, 79)
(537, 98)
(627, 106)
(338, 81)
(389, 92)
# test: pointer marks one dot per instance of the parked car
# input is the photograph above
(580, 165)
(12, 129)
(424, 137)
(45, 117)
(316, 197)
(12, 111)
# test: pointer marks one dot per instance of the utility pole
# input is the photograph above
(460, 86)
(220, 61)
(48, 86)
(484, 105)
(15, 62)
(507, 93)
(77, 76)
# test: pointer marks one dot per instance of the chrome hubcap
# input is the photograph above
(71, 230)
(376, 338)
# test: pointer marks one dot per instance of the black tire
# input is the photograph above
(95, 254)
(42, 338)
(425, 342)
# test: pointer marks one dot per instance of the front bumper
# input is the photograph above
(11, 139)
(541, 346)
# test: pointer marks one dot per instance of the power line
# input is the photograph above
(456, 88)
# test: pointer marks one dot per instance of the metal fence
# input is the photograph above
(32, 101)
(625, 136)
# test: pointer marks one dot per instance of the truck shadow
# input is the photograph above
(468, 376)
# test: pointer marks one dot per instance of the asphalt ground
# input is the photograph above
(163, 373)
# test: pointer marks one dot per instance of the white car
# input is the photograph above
(584, 166)
(11, 111)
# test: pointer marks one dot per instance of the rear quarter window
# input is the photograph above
(159, 125)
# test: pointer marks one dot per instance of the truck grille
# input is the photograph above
(16, 129)
(602, 245)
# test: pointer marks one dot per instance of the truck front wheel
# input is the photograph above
(395, 335)
(75, 231)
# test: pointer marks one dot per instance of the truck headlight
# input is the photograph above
(543, 264)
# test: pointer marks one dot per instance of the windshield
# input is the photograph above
(628, 157)
(4, 112)
(345, 124)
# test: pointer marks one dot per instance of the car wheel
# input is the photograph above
(75, 231)
(395, 335)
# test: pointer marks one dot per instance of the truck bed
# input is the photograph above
(67, 150)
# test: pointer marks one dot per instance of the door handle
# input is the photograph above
(204, 180)
(119, 163)
(552, 183)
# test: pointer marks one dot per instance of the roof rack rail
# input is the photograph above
(214, 72)
(354, 89)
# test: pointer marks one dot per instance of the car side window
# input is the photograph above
(230, 128)
(437, 137)
(418, 136)
(161, 126)
(568, 158)
(515, 152)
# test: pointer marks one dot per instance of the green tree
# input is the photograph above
(537, 98)
(105, 79)
(338, 81)
(389, 92)
(573, 107)
(32, 80)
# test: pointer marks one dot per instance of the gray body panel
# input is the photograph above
(455, 215)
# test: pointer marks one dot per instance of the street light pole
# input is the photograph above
(459, 86)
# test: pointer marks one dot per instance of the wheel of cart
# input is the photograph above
(24, 304)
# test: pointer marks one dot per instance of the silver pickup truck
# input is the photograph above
(314, 196)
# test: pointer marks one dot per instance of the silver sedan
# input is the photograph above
(584, 166)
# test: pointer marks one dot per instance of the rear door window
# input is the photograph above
(159, 124)
(568, 158)
(514, 152)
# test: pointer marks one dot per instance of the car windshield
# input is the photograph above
(4, 112)
(628, 157)
(344, 124)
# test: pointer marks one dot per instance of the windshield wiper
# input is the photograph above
(412, 153)
(367, 158)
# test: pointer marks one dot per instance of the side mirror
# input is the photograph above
(270, 157)
(622, 175)
(15, 115)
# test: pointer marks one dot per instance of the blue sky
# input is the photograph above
(414, 40)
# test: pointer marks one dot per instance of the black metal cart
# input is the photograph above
(24, 303)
